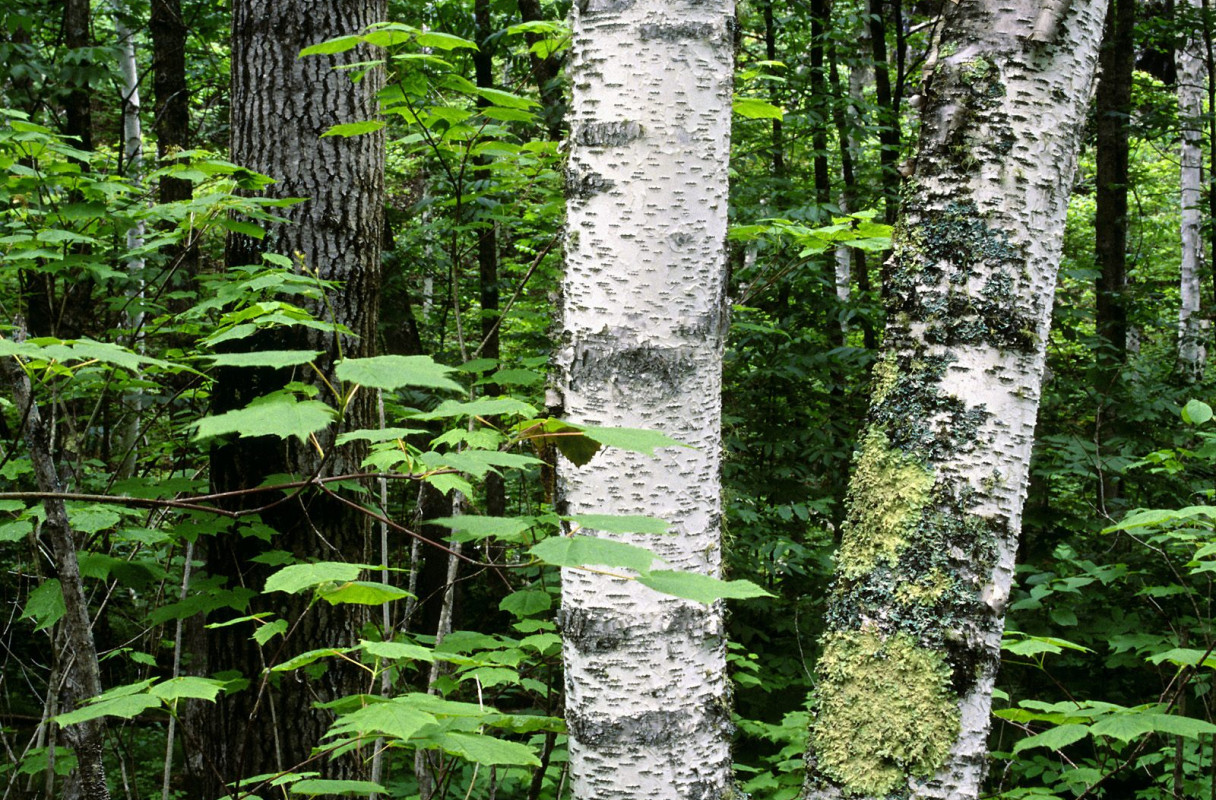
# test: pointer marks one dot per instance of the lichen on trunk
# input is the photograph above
(934, 509)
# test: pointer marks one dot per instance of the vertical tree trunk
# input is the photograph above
(888, 112)
(934, 507)
(172, 117)
(487, 244)
(1191, 84)
(1113, 102)
(778, 126)
(281, 104)
(644, 322)
(547, 73)
(1113, 110)
(82, 676)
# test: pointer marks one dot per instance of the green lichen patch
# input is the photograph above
(889, 490)
(886, 373)
(926, 589)
(885, 712)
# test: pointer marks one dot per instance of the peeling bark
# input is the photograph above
(644, 324)
(934, 507)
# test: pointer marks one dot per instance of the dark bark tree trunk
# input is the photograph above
(281, 104)
(172, 108)
(770, 52)
(1113, 100)
(888, 112)
(547, 73)
(487, 244)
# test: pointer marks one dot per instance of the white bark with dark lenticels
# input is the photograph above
(643, 325)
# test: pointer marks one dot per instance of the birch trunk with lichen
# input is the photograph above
(643, 328)
(924, 570)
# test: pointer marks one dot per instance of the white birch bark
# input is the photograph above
(1192, 81)
(935, 504)
(644, 319)
(133, 154)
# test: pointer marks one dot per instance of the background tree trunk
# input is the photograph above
(281, 104)
(644, 322)
(1191, 84)
(924, 570)
(1113, 111)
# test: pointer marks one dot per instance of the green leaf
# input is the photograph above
(698, 587)
(187, 687)
(505, 99)
(526, 602)
(362, 593)
(339, 45)
(264, 633)
(633, 439)
(398, 718)
(1054, 738)
(443, 41)
(1196, 412)
(124, 707)
(1133, 724)
(395, 372)
(304, 659)
(319, 786)
(1184, 657)
(279, 415)
(275, 359)
(396, 650)
(620, 523)
(469, 528)
(582, 551)
(484, 407)
(755, 108)
(299, 577)
(354, 128)
(45, 604)
(488, 750)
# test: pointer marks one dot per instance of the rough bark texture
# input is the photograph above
(172, 117)
(281, 104)
(643, 327)
(82, 676)
(1191, 84)
(926, 562)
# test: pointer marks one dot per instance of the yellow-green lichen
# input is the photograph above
(925, 590)
(888, 492)
(886, 373)
(885, 712)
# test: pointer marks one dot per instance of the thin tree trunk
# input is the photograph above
(132, 165)
(1191, 84)
(778, 126)
(644, 322)
(1113, 110)
(934, 508)
(281, 104)
(887, 117)
(487, 244)
(81, 674)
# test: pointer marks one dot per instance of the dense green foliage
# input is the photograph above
(1111, 644)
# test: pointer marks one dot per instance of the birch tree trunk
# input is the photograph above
(924, 570)
(1192, 80)
(644, 321)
